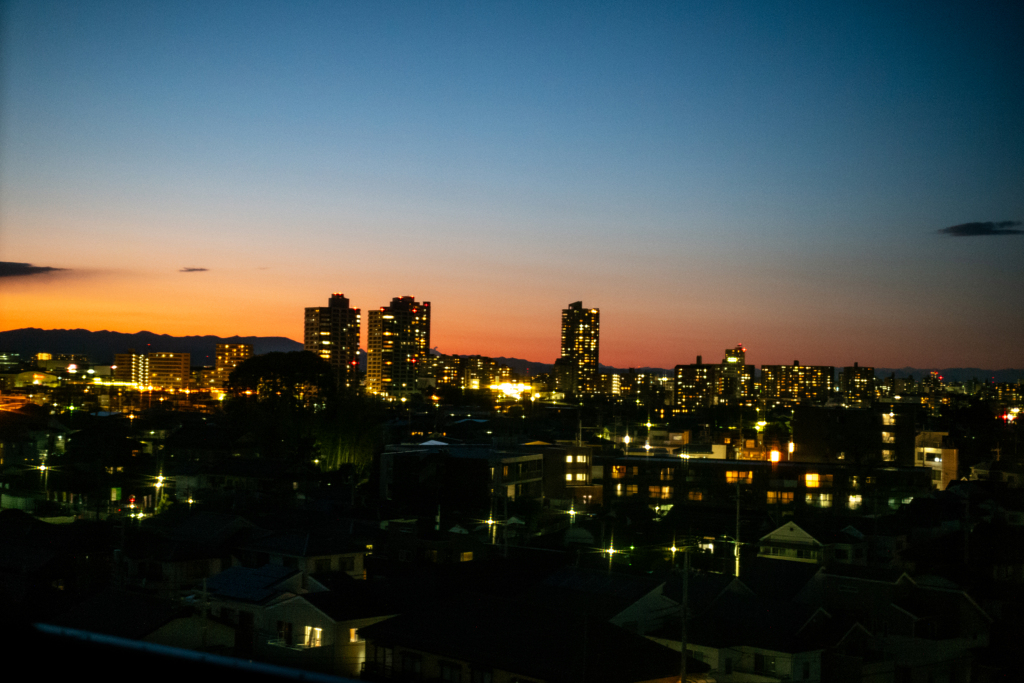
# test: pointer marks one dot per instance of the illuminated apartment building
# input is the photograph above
(332, 332)
(131, 367)
(398, 345)
(695, 386)
(168, 370)
(936, 451)
(580, 346)
(228, 357)
(699, 386)
(465, 372)
(857, 385)
(610, 384)
(792, 384)
(735, 380)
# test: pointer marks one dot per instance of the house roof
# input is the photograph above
(702, 589)
(865, 573)
(212, 528)
(546, 644)
(736, 620)
(250, 585)
(589, 591)
(776, 579)
(302, 544)
(121, 613)
(363, 599)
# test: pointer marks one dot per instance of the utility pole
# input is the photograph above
(736, 545)
(683, 604)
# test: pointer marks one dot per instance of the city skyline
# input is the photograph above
(834, 184)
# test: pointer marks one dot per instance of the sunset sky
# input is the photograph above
(828, 182)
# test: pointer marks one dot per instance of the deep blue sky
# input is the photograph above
(706, 173)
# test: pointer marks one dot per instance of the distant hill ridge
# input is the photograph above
(101, 346)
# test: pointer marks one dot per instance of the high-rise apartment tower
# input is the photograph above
(397, 346)
(229, 357)
(580, 336)
(332, 332)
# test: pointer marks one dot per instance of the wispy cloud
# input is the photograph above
(11, 269)
(983, 229)
(193, 270)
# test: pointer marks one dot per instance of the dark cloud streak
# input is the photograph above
(983, 229)
(193, 270)
(12, 269)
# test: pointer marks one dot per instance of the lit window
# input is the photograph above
(855, 502)
(568, 458)
(695, 495)
(581, 458)
(888, 455)
(811, 480)
(734, 476)
(314, 636)
(568, 477)
(581, 476)
(353, 636)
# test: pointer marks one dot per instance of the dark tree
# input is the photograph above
(298, 379)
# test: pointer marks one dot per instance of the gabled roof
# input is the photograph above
(703, 588)
(591, 591)
(775, 579)
(866, 573)
(550, 645)
(250, 585)
(790, 529)
(302, 544)
(121, 613)
(736, 621)
(362, 600)
(212, 528)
